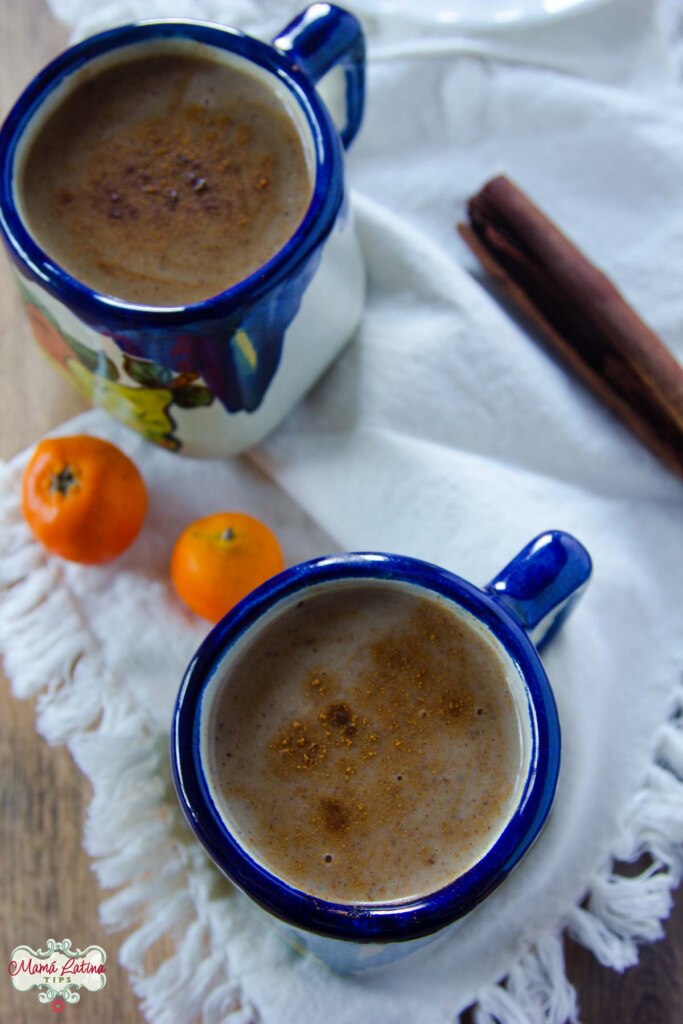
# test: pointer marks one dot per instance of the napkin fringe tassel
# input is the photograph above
(630, 897)
(134, 832)
(165, 885)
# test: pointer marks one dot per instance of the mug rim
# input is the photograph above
(325, 203)
(392, 921)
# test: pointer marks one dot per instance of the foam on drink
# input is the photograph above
(366, 745)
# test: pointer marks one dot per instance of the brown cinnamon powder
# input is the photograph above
(367, 747)
(166, 179)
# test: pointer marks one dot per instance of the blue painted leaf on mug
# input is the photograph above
(241, 371)
(235, 358)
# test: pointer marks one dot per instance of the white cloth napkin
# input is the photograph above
(443, 432)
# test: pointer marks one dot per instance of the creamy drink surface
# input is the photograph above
(365, 746)
(166, 179)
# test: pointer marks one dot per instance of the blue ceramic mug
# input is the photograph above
(211, 378)
(519, 610)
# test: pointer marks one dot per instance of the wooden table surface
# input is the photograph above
(47, 888)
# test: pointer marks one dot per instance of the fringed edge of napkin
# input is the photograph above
(165, 885)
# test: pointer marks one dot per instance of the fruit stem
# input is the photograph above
(63, 481)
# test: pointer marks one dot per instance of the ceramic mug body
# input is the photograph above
(214, 377)
(533, 594)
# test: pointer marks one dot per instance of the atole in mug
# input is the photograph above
(215, 376)
(395, 906)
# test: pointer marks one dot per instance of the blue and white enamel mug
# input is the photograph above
(214, 377)
(519, 610)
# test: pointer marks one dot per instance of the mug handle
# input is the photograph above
(542, 583)
(323, 37)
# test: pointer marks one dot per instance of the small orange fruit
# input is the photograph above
(83, 499)
(218, 560)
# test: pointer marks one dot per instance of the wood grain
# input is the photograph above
(47, 887)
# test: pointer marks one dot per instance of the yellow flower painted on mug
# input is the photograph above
(143, 409)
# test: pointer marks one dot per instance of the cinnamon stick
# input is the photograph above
(580, 313)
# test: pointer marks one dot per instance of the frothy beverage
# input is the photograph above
(366, 745)
(165, 180)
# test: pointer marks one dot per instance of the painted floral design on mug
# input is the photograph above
(236, 362)
(144, 404)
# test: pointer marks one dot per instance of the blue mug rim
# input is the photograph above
(319, 219)
(377, 922)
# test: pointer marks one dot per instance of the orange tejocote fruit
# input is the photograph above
(218, 560)
(83, 498)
